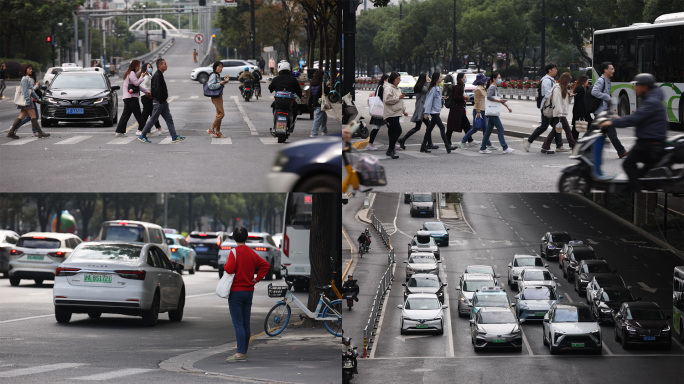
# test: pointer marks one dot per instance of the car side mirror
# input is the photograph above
(497, 275)
(178, 267)
(629, 287)
(521, 321)
(546, 320)
(458, 288)
(447, 228)
(400, 306)
(439, 261)
(510, 265)
(472, 321)
(403, 284)
(618, 316)
(115, 87)
(445, 284)
(513, 304)
(555, 278)
(445, 306)
(517, 297)
(470, 305)
(405, 262)
(546, 265)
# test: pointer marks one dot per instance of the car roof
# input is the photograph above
(536, 268)
(643, 304)
(56, 235)
(524, 256)
(494, 309)
(423, 254)
(477, 276)
(602, 279)
(421, 295)
(425, 276)
(582, 247)
(558, 233)
(135, 222)
(72, 72)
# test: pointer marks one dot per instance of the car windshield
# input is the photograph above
(422, 259)
(254, 239)
(480, 269)
(407, 79)
(423, 283)
(616, 295)
(123, 233)
(644, 314)
(425, 303)
(561, 238)
(528, 262)
(573, 315)
(107, 252)
(434, 226)
(497, 317)
(470, 78)
(537, 293)
(597, 268)
(78, 81)
(584, 255)
(422, 198)
(491, 301)
(609, 281)
(537, 275)
(33, 242)
(474, 285)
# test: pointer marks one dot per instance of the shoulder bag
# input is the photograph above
(226, 282)
(212, 92)
(581, 126)
(547, 109)
(19, 97)
(492, 108)
(375, 106)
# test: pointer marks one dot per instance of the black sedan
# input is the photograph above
(587, 269)
(310, 165)
(608, 301)
(642, 323)
(551, 244)
(80, 96)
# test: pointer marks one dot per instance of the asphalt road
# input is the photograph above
(116, 348)
(88, 158)
(496, 227)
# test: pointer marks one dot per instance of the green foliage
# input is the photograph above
(13, 66)
(137, 48)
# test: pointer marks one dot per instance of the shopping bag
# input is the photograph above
(223, 286)
(581, 126)
(492, 108)
(375, 106)
(19, 97)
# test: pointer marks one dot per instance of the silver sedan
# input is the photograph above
(136, 279)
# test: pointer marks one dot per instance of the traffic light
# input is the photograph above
(213, 35)
(163, 33)
(48, 39)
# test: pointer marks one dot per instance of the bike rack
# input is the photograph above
(384, 285)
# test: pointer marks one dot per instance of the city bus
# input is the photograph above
(678, 301)
(657, 49)
(296, 235)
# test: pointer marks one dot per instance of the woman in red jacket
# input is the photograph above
(242, 262)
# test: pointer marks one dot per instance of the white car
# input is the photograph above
(495, 327)
(488, 269)
(262, 243)
(521, 262)
(136, 279)
(7, 241)
(37, 255)
(231, 68)
(468, 285)
(535, 276)
(571, 326)
(53, 71)
(422, 312)
(421, 262)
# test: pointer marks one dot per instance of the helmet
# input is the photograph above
(283, 66)
(645, 79)
(246, 68)
(295, 74)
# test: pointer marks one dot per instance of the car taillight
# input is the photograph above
(61, 271)
(202, 234)
(286, 245)
(122, 223)
(15, 252)
(38, 237)
(57, 254)
(174, 249)
(261, 249)
(133, 274)
(226, 247)
(218, 241)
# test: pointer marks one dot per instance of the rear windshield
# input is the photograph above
(541, 293)
(474, 285)
(254, 239)
(123, 233)
(573, 315)
(498, 317)
(487, 270)
(597, 268)
(422, 259)
(616, 295)
(434, 226)
(29, 242)
(584, 255)
(107, 252)
(561, 238)
(423, 283)
(610, 281)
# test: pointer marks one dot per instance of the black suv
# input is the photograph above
(206, 246)
(576, 253)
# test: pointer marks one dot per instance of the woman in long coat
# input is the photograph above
(458, 120)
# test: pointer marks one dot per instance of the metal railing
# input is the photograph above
(384, 284)
(149, 57)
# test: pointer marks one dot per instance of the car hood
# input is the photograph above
(422, 204)
(422, 314)
(422, 265)
(76, 94)
(648, 324)
(498, 329)
(589, 276)
(438, 233)
(576, 328)
(423, 289)
(536, 304)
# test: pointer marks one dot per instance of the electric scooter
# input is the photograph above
(284, 115)
(349, 355)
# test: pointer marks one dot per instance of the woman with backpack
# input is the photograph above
(456, 101)
(420, 89)
(560, 97)
(433, 107)
(480, 95)
(492, 108)
(376, 122)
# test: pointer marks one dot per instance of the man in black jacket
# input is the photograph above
(285, 81)
(160, 105)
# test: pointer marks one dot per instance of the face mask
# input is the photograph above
(149, 70)
(498, 81)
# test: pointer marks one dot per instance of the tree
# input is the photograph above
(86, 204)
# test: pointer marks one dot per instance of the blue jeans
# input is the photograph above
(240, 306)
(491, 122)
(160, 109)
(473, 129)
(320, 121)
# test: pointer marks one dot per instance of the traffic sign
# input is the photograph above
(199, 38)
(230, 3)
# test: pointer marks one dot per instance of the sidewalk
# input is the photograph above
(298, 355)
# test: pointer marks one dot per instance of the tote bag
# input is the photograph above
(212, 92)
(375, 106)
(492, 108)
(223, 287)
(19, 97)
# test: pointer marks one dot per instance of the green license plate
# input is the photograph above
(421, 326)
(97, 278)
(35, 257)
(577, 345)
(540, 313)
(499, 340)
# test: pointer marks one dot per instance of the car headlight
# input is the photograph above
(49, 99)
(596, 334)
(630, 328)
(280, 162)
(667, 328)
(606, 310)
(584, 281)
(409, 270)
(100, 100)
(516, 330)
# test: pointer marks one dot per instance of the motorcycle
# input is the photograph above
(335, 93)
(284, 116)
(350, 112)
(247, 90)
(349, 294)
(587, 175)
(349, 365)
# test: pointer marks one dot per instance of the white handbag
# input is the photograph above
(376, 106)
(226, 282)
(19, 97)
(492, 108)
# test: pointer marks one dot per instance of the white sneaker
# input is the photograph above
(526, 145)
(509, 150)
(161, 132)
(396, 146)
(120, 135)
(562, 149)
(462, 145)
(138, 133)
(485, 151)
(371, 147)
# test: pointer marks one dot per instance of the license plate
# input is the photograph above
(577, 345)
(540, 313)
(74, 111)
(422, 326)
(281, 123)
(649, 338)
(499, 340)
(201, 249)
(35, 257)
(97, 279)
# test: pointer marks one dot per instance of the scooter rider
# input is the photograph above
(352, 287)
(257, 79)
(650, 120)
(245, 75)
(286, 82)
(364, 240)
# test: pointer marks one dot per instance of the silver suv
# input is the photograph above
(38, 254)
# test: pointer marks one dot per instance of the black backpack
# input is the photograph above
(591, 102)
(449, 93)
(539, 94)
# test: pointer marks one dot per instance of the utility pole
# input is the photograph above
(253, 35)
(349, 45)
(543, 37)
(453, 54)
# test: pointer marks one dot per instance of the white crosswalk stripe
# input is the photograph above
(38, 369)
(122, 140)
(22, 141)
(269, 140)
(223, 141)
(194, 97)
(73, 140)
(113, 374)
(166, 140)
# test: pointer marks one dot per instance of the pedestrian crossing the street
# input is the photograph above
(66, 371)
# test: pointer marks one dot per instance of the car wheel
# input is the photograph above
(38, 281)
(151, 316)
(334, 97)
(553, 350)
(108, 122)
(192, 269)
(617, 338)
(320, 183)
(14, 281)
(94, 314)
(577, 286)
(623, 343)
(45, 123)
(202, 78)
(565, 275)
(545, 340)
(177, 315)
(279, 274)
(510, 283)
(62, 315)
(623, 105)
(269, 274)
(401, 330)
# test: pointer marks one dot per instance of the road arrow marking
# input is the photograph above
(483, 207)
(647, 288)
(545, 206)
(512, 206)
(592, 242)
(632, 242)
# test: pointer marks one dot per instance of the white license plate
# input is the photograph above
(97, 278)
(74, 111)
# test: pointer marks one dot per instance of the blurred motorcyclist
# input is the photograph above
(352, 287)
(286, 82)
(245, 75)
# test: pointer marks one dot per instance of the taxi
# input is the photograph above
(489, 297)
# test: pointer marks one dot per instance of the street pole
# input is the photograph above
(253, 34)
(453, 54)
(52, 43)
(75, 37)
(543, 37)
(349, 46)
(86, 47)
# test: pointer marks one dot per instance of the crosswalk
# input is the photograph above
(67, 371)
(128, 140)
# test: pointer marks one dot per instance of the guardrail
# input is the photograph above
(149, 57)
(384, 284)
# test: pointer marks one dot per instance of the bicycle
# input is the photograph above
(330, 312)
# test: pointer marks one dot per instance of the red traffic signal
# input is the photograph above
(48, 39)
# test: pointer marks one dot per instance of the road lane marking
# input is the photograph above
(201, 294)
(605, 346)
(39, 369)
(222, 141)
(114, 374)
(268, 140)
(24, 318)
(527, 344)
(39, 293)
(166, 140)
(73, 140)
(251, 126)
(23, 141)
(450, 334)
(568, 297)
(122, 140)
(194, 97)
